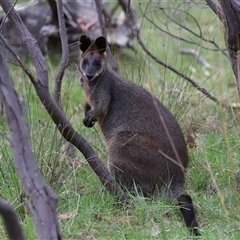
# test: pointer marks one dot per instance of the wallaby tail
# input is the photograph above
(188, 212)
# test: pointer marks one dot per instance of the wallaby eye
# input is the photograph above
(84, 62)
(98, 64)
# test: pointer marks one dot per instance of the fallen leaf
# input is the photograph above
(67, 215)
(190, 141)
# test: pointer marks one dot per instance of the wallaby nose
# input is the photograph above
(89, 76)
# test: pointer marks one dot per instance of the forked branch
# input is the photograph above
(55, 112)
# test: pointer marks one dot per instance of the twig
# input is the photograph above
(65, 52)
(182, 26)
(5, 17)
(103, 31)
(18, 58)
(30, 42)
(30, 207)
(53, 6)
(62, 67)
(202, 90)
(197, 55)
(233, 230)
(11, 221)
(130, 13)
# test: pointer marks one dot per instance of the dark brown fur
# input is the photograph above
(146, 147)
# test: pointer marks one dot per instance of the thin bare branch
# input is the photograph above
(130, 13)
(18, 57)
(63, 65)
(216, 9)
(5, 17)
(197, 32)
(65, 52)
(190, 80)
(197, 55)
(103, 31)
(200, 35)
(30, 42)
(53, 6)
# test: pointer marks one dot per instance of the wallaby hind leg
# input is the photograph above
(188, 212)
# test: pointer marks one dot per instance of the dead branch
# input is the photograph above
(63, 65)
(10, 219)
(29, 41)
(43, 198)
(103, 31)
(65, 52)
(41, 86)
(197, 55)
(231, 22)
(190, 80)
(169, 13)
(53, 6)
(216, 9)
(202, 90)
(18, 58)
(229, 14)
(129, 11)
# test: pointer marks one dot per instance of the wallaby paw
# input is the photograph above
(88, 122)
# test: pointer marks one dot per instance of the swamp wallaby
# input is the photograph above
(146, 147)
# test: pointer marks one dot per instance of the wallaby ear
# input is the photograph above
(101, 44)
(85, 43)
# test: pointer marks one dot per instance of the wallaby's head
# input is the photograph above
(92, 62)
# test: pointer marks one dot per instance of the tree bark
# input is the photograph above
(228, 12)
(43, 199)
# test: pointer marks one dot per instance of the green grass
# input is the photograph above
(86, 209)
